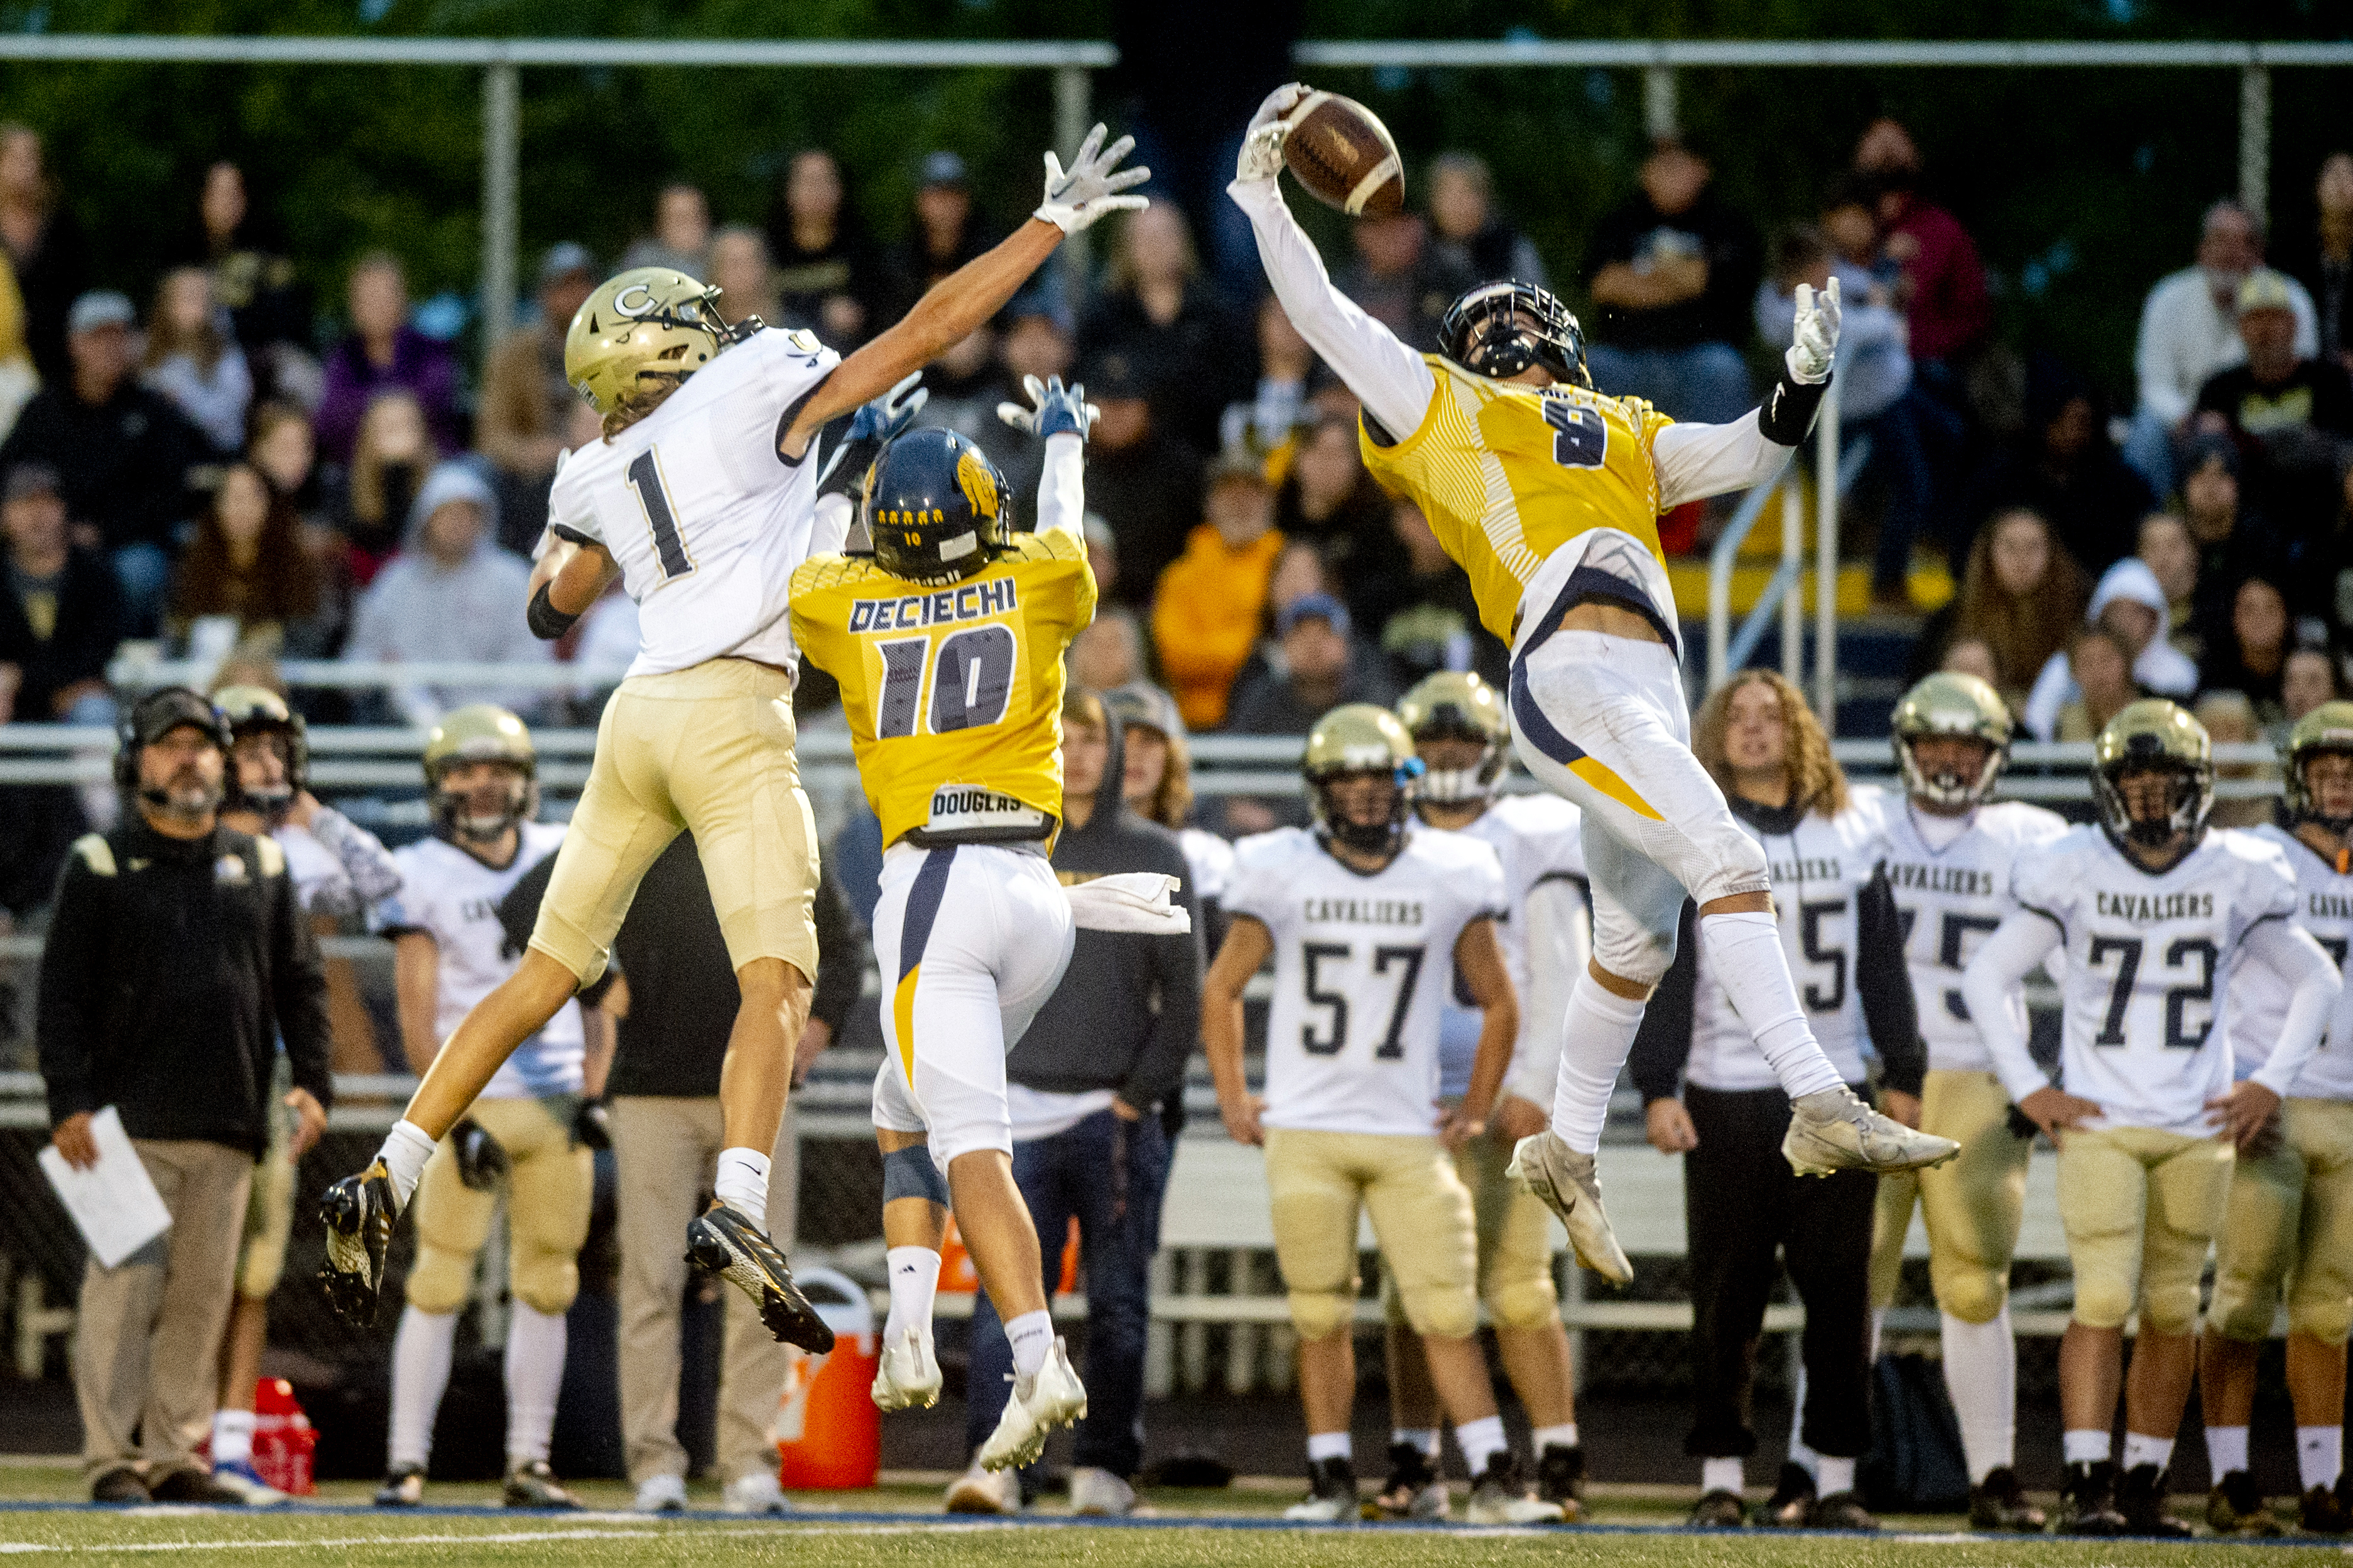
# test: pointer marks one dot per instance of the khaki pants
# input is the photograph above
(1973, 1205)
(1318, 1181)
(667, 1150)
(147, 1338)
(2140, 1206)
(2290, 1224)
(1514, 1232)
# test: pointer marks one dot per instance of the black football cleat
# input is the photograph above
(1718, 1511)
(360, 1212)
(2141, 1497)
(722, 1241)
(1560, 1477)
(1839, 1511)
(2322, 1511)
(1999, 1502)
(2236, 1506)
(2087, 1501)
(531, 1484)
(1792, 1501)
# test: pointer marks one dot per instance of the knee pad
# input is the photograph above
(1319, 1314)
(1442, 1311)
(1523, 1303)
(2103, 1303)
(2240, 1310)
(1970, 1291)
(2172, 1309)
(441, 1280)
(909, 1172)
(545, 1281)
(2328, 1319)
(1630, 950)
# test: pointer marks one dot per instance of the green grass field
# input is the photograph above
(899, 1525)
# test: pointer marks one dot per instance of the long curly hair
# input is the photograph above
(1816, 780)
(2023, 630)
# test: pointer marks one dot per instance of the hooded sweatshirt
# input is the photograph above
(419, 609)
(2160, 668)
(1129, 1008)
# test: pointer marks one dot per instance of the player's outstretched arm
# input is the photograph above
(1063, 418)
(966, 297)
(1695, 461)
(1389, 378)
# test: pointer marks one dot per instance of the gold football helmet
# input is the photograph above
(642, 330)
(1458, 706)
(481, 732)
(1353, 740)
(2155, 735)
(2327, 727)
(1950, 703)
(257, 709)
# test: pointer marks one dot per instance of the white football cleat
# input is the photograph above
(1051, 1397)
(984, 1492)
(1564, 1181)
(1834, 1130)
(1098, 1492)
(908, 1377)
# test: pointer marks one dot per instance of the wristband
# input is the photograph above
(1790, 408)
(547, 623)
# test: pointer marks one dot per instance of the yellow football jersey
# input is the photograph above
(954, 694)
(1508, 474)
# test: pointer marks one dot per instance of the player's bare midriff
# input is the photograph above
(1611, 620)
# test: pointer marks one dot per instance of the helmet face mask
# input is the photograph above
(483, 805)
(1461, 709)
(2153, 779)
(2326, 731)
(1499, 329)
(1360, 771)
(491, 798)
(935, 508)
(255, 713)
(1950, 707)
(643, 332)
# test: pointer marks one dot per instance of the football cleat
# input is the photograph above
(909, 1375)
(2141, 1497)
(1331, 1493)
(1560, 1477)
(360, 1212)
(1834, 1130)
(1839, 1511)
(404, 1487)
(1999, 1502)
(1564, 1182)
(2322, 1510)
(2087, 1501)
(531, 1484)
(244, 1480)
(1792, 1501)
(722, 1241)
(984, 1492)
(1499, 1497)
(1097, 1493)
(1718, 1511)
(2236, 1506)
(1414, 1488)
(1049, 1397)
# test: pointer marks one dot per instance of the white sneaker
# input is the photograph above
(1499, 1497)
(661, 1494)
(909, 1375)
(1833, 1130)
(757, 1492)
(984, 1492)
(1051, 1397)
(240, 1479)
(1095, 1491)
(1564, 1181)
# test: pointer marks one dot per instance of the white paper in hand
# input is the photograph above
(114, 1204)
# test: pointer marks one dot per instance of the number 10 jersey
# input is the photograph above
(2150, 960)
(1362, 965)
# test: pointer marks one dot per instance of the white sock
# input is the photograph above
(1323, 1446)
(2319, 1455)
(1981, 1376)
(2226, 1449)
(1598, 1035)
(233, 1437)
(2086, 1447)
(404, 1151)
(1743, 952)
(420, 1371)
(1721, 1475)
(2141, 1449)
(1481, 1441)
(1804, 1458)
(1832, 1475)
(742, 1184)
(535, 1344)
(914, 1281)
(1561, 1437)
(1424, 1439)
(1878, 1326)
(1032, 1336)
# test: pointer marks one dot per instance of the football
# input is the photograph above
(1341, 152)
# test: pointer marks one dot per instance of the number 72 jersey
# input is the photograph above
(1362, 965)
(2150, 963)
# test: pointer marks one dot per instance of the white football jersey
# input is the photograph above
(2259, 998)
(706, 520)
(2152, 960)
(1210, 859)
(1951, 900)
(318, 875)
(1818, 870)
(453, 898)
(1537, 838)
(1361, 966)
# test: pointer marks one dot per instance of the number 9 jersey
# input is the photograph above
(954, 694)
(2150, 963)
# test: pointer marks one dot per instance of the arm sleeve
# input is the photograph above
(1558, 938)
(1890, 1011)
(1062, 487)
(830, 530)
(1158, 1071)
(362, 854)
(298, 982)
(2002, 965)
(1695, 461)
(2290, 953)
(1388, 377)
(841, 957)
(1662, 1045)
(67, 1019)
(2152, 363)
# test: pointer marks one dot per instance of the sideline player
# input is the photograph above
(481, 781)
(1547, 493)
(1463, 740)
(339, 869)
(1950, 855)
(2159, 915)
(1368, 919)
(2289, 1225)
(949, 643)
(702, 497)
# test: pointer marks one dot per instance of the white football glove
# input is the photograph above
(1089, 188)
(1055, 410)
(1813, 341)
(1261, 155)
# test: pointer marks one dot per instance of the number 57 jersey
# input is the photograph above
(2150, 961)
(1362, 965)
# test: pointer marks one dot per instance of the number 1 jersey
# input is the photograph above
(1361, 967)
(704, 517)
(2150, 960)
